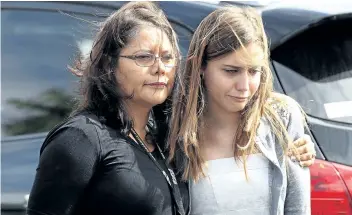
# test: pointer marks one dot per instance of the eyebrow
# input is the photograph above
(144, 50)
(239, 67)
(233, 67)
(152, 52)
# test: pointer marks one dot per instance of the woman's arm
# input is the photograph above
(65, 168)
(298, 178)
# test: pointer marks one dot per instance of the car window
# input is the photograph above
(276, 83)
(37, 89)
(184, 37)
(37, 46)
(316, 70)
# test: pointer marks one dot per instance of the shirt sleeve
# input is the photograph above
(66, 166)
(298, 178)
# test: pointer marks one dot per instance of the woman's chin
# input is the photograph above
(156, 100)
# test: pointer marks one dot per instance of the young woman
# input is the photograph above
(105, 159)
(229, 132)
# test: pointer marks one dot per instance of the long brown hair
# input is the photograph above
(100, 93)
(223, 31)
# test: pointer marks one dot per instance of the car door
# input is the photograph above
(38, 42)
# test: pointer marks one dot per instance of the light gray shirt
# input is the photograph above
(289, 183)
(225, 190)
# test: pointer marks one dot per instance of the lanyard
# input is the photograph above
(172, 184)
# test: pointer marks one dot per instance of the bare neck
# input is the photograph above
(220, 120)
(219, 126)
(218, 133)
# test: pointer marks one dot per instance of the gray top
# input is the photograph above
(289, 184)
(225, 191)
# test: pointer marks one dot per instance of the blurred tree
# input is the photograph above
(49, 109)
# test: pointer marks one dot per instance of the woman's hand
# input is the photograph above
(304, 151)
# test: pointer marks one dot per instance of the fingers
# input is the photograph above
(306, 152)
(307, 163)
(304, 145)
(305, 140)
(293, 154)
(305, 160)
(303, 151)
(299, 145)
(306, 157)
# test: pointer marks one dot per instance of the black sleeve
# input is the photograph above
(65, 168)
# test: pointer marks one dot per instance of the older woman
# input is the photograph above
(105, 158)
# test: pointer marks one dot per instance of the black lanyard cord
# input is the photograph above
(172, 184)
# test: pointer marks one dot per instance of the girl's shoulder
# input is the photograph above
(286, 108)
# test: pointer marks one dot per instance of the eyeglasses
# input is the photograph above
(147, 59)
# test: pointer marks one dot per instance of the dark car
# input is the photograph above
(311, 58)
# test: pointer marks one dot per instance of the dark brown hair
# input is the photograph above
(100, 93)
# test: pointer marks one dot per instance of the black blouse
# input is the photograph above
(86, 168)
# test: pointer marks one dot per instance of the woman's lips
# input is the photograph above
(157, 84)
(239, 98)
